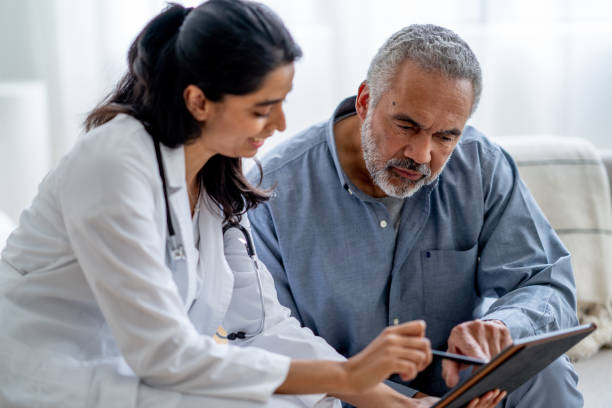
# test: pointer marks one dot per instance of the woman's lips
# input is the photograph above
(257, 142)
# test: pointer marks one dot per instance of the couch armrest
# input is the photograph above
(606, 157)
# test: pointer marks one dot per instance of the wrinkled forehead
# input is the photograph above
(427, 98)
(412, 80)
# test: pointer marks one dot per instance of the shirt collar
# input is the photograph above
(345, 109)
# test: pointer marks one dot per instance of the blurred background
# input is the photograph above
(546, 66)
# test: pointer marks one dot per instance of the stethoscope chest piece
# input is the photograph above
(177, 250)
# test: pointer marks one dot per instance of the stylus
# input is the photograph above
(458, 357)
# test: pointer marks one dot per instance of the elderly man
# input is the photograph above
(394, 209)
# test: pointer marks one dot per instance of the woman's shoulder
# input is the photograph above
(111, 167)
(118, 153)
(122, 142)
(122, 135)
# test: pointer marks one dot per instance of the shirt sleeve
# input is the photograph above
(109, 207)
(523, 263)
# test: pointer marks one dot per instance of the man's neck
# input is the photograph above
(347, 135)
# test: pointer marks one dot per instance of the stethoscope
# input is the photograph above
(177, 251)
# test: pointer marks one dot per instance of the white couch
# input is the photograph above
(596, 372)
(571, 181)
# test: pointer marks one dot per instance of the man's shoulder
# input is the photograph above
(476, 159)
(474, 138)
(474, 145)
(307, 145)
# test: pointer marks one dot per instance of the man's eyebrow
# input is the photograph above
(269, 102)
(405, 118)
(453, 132)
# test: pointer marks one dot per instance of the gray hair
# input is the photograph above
(434, 48)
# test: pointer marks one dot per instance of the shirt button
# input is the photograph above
(383, 224)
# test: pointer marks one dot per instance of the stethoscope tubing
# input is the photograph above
(177, 250)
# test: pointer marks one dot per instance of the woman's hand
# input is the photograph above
(401, 349)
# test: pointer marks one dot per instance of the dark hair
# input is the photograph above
(221, 46)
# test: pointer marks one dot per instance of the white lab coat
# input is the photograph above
(93, 316)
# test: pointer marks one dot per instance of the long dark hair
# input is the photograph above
(223, 47)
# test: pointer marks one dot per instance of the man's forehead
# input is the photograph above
(426, 101)
(411, 78)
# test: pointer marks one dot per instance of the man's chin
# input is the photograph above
(400, 187)
(401, 191)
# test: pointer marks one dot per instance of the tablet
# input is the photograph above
(514, 365)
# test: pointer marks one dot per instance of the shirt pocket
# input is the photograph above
(449, 283)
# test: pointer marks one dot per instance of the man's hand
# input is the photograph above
(477, 338)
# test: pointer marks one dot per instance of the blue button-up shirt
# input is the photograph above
(474, 233)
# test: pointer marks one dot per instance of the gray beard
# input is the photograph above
(380, 170)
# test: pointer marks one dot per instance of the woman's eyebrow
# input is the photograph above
(269, 102)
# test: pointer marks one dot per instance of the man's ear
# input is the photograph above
(197, 103)
(362, 103)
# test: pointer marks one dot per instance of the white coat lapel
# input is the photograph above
(178, 201)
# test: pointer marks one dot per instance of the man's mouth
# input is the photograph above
(411, 175)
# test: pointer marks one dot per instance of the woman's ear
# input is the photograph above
(196, 103)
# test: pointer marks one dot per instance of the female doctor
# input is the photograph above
(120, 273)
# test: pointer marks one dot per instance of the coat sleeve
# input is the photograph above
(282, 333)
(108, 202)
(523, 263)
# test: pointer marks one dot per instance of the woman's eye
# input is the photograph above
(261, 114)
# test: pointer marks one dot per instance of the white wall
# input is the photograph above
(25, 152)
(545, 62)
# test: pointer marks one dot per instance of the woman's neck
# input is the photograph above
(196, 156)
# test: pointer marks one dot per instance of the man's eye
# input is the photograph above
(405, 127)
(261, 114)
(447, 138)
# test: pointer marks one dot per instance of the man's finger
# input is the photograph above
(450, 372)
(466, 345)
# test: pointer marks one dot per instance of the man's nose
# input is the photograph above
(419, 148)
